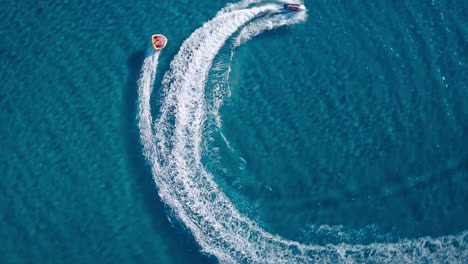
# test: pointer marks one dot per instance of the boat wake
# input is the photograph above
(172, 144)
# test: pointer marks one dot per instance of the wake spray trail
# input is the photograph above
(173, 149)
(145, 88)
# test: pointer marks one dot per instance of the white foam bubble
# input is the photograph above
(173, 149)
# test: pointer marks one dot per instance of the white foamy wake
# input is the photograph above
(173, 149)
(145, 88)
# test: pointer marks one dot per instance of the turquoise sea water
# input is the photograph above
(350, 127)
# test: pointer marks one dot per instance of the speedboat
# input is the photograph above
(293, 7)
(159, 41)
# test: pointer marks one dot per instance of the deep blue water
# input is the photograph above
(350, 127)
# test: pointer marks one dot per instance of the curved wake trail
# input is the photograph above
(173, 149)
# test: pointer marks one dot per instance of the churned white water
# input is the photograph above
(172, 146)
